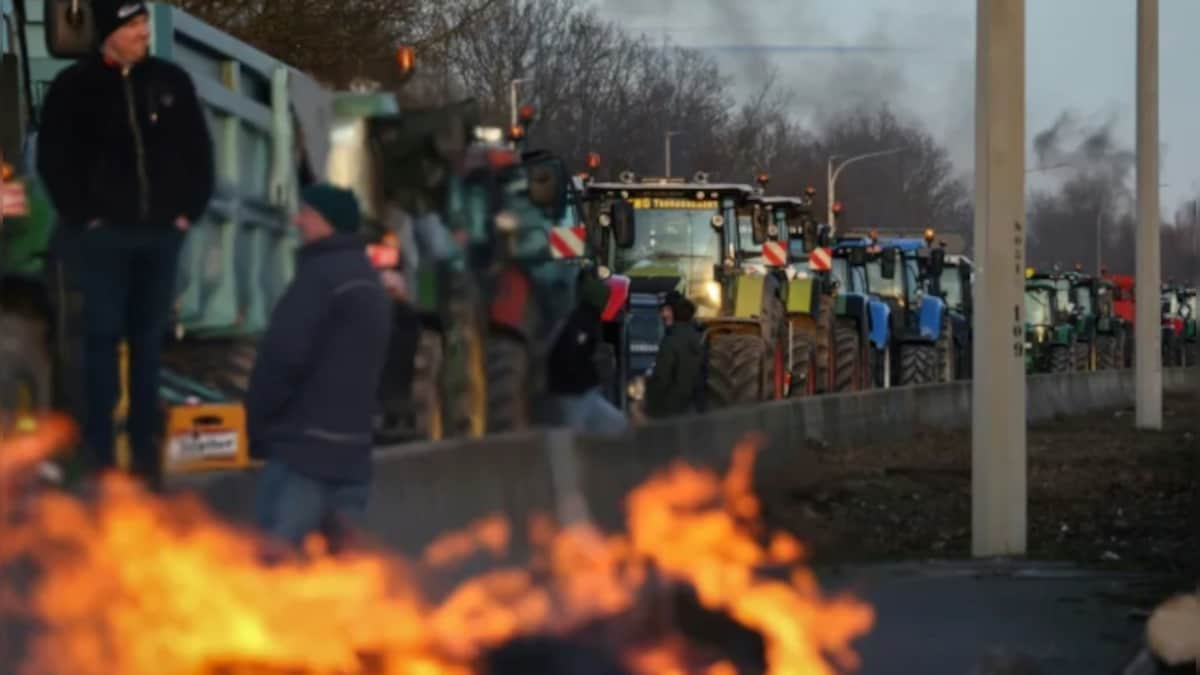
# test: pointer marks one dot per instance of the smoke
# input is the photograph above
(1085, 149)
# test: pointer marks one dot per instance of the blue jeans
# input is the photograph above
(590, 413)
(291, 505)
(127, 277)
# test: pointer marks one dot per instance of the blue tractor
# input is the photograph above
(850, 256)
(914, 337)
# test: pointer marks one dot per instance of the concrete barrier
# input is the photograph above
(423, 490)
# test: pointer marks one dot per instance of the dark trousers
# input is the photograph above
(128, 281)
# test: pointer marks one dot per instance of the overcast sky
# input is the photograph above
(1080, 57)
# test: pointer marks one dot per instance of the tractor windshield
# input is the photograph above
(888, 288)
(1063, 294)
(841, 272)
(1193, 305)
(1083, 299)
(672, 242)
(1039, 308)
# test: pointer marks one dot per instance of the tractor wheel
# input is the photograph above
(426, 391)
(947, 366)
(25, 371)
(846, 375)
(1081, 356)
(1107, 352)
(465, 402)
(1060, 359)
(803, 366)
(508, 374)
(918, 364)
(823, 346)
(736, 370)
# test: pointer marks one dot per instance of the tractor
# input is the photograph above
(850, 256)
(954, 286)
(1099, 326)
(1049, 327)
(1124, 308)
(1070, 313)
(697, 237)
(1178, 326)
(921, 348)
(489, 281)
(1189, 304)
(827, 331)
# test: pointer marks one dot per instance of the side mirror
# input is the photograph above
(624, 224)
(70, 28)
(887, 264)
(758, 226)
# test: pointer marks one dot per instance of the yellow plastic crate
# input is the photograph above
(206, 437)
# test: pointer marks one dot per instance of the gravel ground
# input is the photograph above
(1101, 494)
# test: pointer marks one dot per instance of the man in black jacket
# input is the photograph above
(312, 394)
(674, 385)
(125, 153)
(573, 377)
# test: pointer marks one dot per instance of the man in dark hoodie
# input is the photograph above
(672, 388)
(312, 393)
(126, 156)
(573, 375)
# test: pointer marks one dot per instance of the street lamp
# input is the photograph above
(667, 137)
(832, 176)
(513, 100)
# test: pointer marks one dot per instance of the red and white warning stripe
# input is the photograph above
(568, 242)
(775, 253)
(12, 200)
(820, 260)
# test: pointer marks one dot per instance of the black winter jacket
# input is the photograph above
(312, 393)
(572, 368)
(678, 373)
(129, 147)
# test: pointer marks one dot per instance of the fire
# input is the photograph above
(136, 585)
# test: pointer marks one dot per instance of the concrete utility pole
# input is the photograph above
(998, 455)
(667, 151)
(831, 176)
(1148, 343)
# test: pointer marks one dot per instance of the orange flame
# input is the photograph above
(141, 586)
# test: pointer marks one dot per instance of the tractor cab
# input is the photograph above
(900, 274)
(955, 286)
(1051, 342)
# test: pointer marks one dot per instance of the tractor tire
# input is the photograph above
(1081, 356)
(846, 368)
(25, 370)
(1107, 353)
(918, 364)
(465, 400)
(823, 346)
(426, 387)
(736, 370)
(946, 353)
(509, 406)
(803, 366)
(1061, 359)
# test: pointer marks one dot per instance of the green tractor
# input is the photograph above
(1050, 331)
(1189, 309)
(478, 221)
(1099, 328)
(827, 331)
(698, 237)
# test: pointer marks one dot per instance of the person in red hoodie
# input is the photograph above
(125, 153)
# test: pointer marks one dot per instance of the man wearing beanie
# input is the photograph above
(573, 377)
(125, 153)
(312, 393)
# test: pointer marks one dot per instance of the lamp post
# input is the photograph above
(831, 176)
(667, 150)
(512, 90)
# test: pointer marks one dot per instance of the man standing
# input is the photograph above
(573, 377)
(313, 391)
(672, 388)
(125, 153)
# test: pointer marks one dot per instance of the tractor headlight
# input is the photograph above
(712, 291)
(637, 389)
